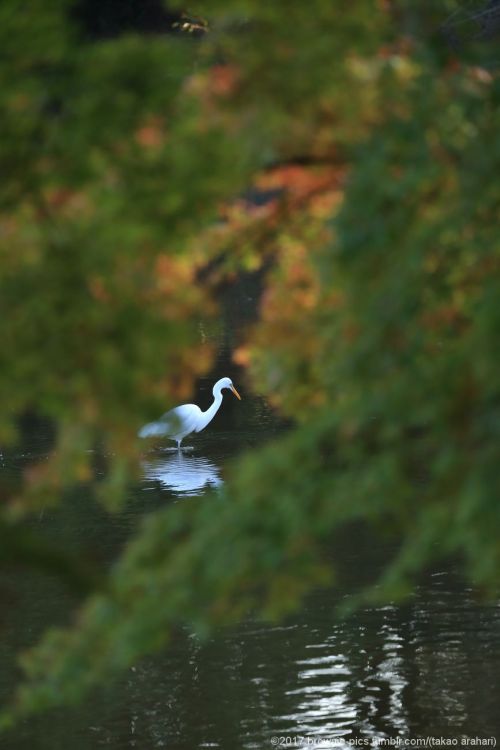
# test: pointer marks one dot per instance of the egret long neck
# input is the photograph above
(210, 413)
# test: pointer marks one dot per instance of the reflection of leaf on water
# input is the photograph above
(183, 474)
(190, 24)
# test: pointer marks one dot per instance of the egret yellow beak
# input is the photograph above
(236, 392)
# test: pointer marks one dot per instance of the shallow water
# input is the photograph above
(428, 668)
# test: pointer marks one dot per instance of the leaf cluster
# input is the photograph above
(127, 161)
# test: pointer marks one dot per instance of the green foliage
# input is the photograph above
(378, 321)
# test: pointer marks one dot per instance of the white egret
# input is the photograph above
(188, 418)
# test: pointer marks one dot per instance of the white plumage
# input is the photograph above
(187, 418)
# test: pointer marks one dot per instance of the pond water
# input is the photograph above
(426, 669)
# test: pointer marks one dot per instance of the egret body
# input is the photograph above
(188, 418)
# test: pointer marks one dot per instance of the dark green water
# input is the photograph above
(429, 668)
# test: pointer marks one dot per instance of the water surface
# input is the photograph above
(428, 668)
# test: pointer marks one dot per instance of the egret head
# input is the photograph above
(226, 383)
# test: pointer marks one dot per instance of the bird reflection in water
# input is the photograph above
(184, 475)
